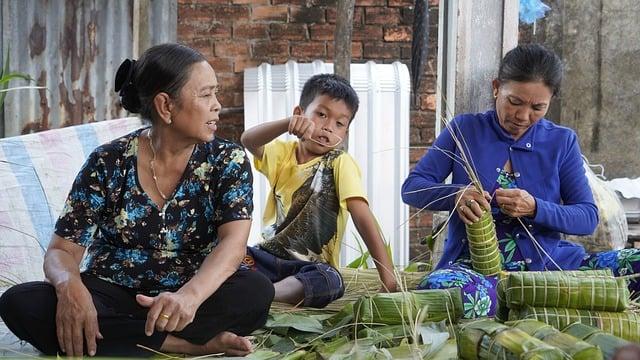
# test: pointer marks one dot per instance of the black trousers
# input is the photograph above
(240, 305)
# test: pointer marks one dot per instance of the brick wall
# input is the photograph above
(236, 34)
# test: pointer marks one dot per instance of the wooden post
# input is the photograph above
(342, 38)
(140, 31)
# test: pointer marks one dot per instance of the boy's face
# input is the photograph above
(331, 118)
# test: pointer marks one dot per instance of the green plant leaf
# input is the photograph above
(298, 322)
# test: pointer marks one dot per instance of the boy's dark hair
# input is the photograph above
(334, 86)
(532, 62)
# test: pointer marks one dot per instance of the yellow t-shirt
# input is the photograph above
(306, 211)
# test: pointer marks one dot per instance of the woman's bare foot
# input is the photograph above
(228, 343)
(225, 342)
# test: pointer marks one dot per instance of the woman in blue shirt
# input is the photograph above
(164, 215)
(534, 179)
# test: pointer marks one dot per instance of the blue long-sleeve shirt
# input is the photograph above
(547, 163)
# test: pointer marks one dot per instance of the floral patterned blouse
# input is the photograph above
(132, 242)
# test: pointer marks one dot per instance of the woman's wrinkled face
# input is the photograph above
(199, 108)
(519, 105)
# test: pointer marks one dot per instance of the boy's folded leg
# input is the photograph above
(322, 284)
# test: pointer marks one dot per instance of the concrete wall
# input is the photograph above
(599, 41)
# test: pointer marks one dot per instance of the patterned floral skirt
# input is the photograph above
(479, 291)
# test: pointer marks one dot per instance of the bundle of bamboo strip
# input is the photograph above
(575, 348)
(625, 324)
(483, 246)
(587, 291)
(487, 339)
(407, 307)
(607, 343)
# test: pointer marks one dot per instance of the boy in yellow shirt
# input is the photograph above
(314, 188)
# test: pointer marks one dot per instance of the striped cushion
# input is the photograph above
(36, 173)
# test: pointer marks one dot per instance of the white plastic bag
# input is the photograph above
(612, 231)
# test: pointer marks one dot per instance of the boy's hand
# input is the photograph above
(301, 127)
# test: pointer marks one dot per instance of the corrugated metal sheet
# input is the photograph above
(73, 49)
(378, 139)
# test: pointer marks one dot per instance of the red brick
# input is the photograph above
(358, 15)
(288, 31)
(251, 2)
(427, 135)
(230, 82)
(231, 125)
(322, 32)
(203, 45)
(401, 3)
(221, 66)
(405, 52)
(322, 2)
(270, 13)
(215, 30)
(307, 15)
(397, 33)
(367, 33)
(309, 50)
(289, 2)
(423, 219)
(416, 154)
(270, 48)
(240, 64)
(225, 13)
(422, 119)
(251, 31)
(371, 2)
(231, 48)
(428, 102)
(230, 99)
(356, 50)
(204, 1)
(407, 15)
(381, 51)
(382, 16)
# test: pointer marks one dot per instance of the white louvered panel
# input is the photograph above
(378, 138)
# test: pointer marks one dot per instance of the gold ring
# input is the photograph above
(165, 316)
(469, 202)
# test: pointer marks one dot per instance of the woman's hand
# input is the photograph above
(301, 126)
(168, 311)
(76, 318)
(516, 202)
(471, 204)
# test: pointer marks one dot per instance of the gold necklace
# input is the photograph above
(153, 169)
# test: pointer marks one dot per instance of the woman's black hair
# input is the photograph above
(162, 68)
(532, 62)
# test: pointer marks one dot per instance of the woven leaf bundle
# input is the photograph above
(624, 324)
(405, 307)
(487, 339)
(502, 310)
(483, 246)
(607, 343)
(570, 345)
(559, 290)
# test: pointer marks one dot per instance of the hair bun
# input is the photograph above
(126, 88)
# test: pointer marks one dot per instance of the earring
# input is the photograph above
(495, 96)
(169, 120)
